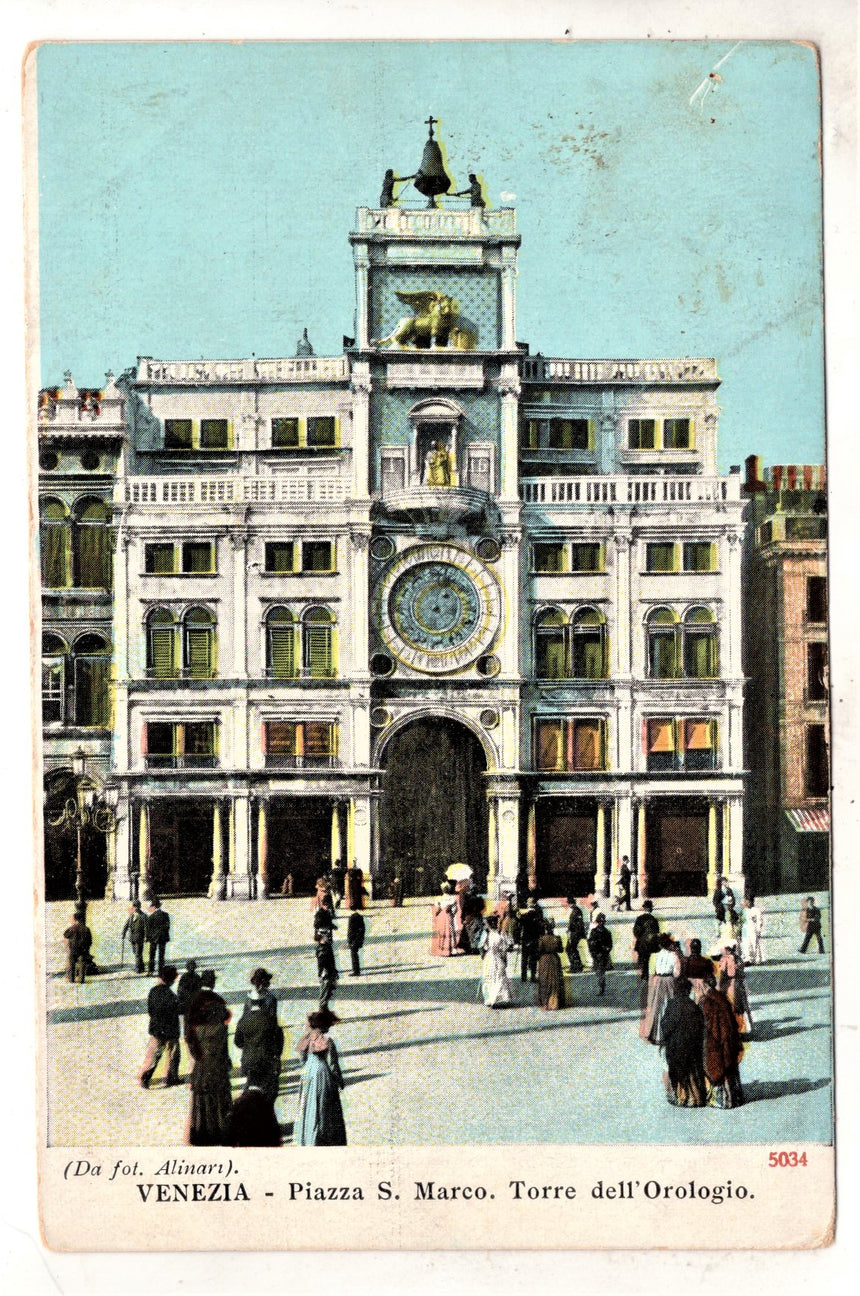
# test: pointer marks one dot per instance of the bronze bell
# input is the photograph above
(432, 178)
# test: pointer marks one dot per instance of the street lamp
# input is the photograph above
(85, 811)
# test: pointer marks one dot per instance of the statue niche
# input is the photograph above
(435, 323)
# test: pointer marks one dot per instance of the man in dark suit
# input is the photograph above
(135, 930)
(531, 930)
(163, 1007)
(326, 967)
(157, 934)
(78, 938)
(355, 933)
(812, 926)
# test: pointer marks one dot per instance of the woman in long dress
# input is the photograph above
(723, 1049)
(211, 1099)
(442, 941)
(550, 992)
(733, 985)
(683, 1031)
(752, 928)
(663, 966)
(495, 985)
(320, 1119)
(575, 934)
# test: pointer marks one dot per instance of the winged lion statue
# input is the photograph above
(433, 323)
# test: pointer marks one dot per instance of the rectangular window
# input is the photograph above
(317, 556)
(94, 557)
(189, 745)
(816, 672)
(92, 692)
(816, 600)
(551, 653)
(322, 432)
(159, 745)
(661, 745)
(640, 434)
(570, 745)
(159, 559)
(53, 690)
(586, 558)
(198, 743)
(319, 655)
(549, 557)
(177, 434)
(162, 652)
(197, 557)
(699, 556)
(280, 557)
(56, 567)
(817, 763)
(568, 434)
(285, 433)
(300, 744)
(675, 744)
(676, 434)
(660, 558)
(214, 434)
(530, 434)
(282, 650)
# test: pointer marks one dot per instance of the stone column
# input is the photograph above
(218, 881)
(622, 665)
(531, 847)
(601, 877)
(509, 391)
(262, 851)
(492, 847)
(508, 827)
(239, 546)
(713, 862)
(143, 849)
(359, 592)
(733, 848)
(358, 837)
(509, 301)
(622, 837)
(641, 850)
(336, 846)
(361, 388)
(240, 843)
(375, 838)
(731, 666)
(362, 297)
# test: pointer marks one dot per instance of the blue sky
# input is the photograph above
(195, 200)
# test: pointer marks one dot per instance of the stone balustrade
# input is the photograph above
(684, 369)
(234, 490)
(437, 222)
(301, 369)
(630, 489)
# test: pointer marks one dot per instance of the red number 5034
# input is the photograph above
(787, 1159)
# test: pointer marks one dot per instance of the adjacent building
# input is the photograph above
(787, 661)
(435, 599)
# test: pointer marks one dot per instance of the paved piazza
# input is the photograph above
(425, 1062)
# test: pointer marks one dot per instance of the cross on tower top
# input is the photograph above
(431, 122)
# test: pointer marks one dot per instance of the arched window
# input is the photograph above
(161, 644)
(54, 654)
(281, 644)
(92, 681)
(198, 643)
(701, 658)
(91, 545)
(55, 544)
(318, 649)
(662, 633)
(589, 645)
(551, 645)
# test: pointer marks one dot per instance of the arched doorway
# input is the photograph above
(434, 804)
(61, 845)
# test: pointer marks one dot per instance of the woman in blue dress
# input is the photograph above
(320, 1120)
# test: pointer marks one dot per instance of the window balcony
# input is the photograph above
(155, 761)
(274, 762)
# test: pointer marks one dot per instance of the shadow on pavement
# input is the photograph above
(764, 1090)
(779, 1028)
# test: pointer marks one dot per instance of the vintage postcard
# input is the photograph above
(428, 449)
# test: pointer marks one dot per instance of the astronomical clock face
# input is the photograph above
(438, 608)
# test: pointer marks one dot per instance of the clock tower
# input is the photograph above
(435, 370)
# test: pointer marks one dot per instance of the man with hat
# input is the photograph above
(163, 1010)
(261, 980)
(190, 984)
(135, 930)
(157, 934)
(79, 939)
(326, 967)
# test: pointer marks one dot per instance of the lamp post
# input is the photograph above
(84, 811)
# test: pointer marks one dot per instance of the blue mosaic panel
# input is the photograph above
(477, 291)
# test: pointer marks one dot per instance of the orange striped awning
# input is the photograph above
(809, 820)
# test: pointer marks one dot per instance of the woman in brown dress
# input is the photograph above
(550, 992)
(211, 1099)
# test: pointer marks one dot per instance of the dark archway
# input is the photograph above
(61, 845)
(434, 804)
